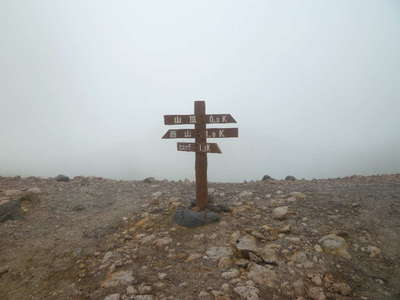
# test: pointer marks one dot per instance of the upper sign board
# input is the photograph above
(193, 119)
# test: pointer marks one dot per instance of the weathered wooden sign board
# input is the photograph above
(200, 133)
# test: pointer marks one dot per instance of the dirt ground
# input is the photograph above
(95, 238)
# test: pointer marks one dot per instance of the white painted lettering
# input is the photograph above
(177, 120)
(221, 133)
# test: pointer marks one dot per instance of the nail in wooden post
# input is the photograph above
(201, 157)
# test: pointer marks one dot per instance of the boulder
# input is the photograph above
(267, 177)
(290, 178)
(9, 209)
(62, 178)
(149, 180)
(189, 218)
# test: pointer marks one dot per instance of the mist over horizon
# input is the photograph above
(314, 87)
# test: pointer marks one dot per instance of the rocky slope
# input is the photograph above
(94, 238)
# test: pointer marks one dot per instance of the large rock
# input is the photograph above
(189, 218)
(245, 244)
(290, 178)
(9, 209)
(267, 177)
(334, 244)
(219, 252)
(280, 213)
(62, 178)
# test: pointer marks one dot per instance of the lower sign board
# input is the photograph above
(210, 133)
(193, 147)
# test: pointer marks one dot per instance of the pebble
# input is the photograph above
(232, 273)
(335, 245)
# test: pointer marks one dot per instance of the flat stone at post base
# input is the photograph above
(189, 218)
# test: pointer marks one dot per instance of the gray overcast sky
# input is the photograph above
(314, 86)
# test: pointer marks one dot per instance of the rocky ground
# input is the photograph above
(94, 238)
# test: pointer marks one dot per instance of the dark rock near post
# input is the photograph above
(189, 218)
(10, 209)
(290, 178)
(267, 177)
(62, 178)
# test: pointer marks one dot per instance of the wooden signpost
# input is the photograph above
(200, 133)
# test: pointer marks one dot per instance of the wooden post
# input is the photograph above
(201, 157)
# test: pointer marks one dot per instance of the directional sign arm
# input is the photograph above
(179, 134)
(193, 147)
(193, 119)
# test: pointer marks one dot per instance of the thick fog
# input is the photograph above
(313, 85)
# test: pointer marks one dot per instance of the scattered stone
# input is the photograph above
(62, 178)
(316, 293)
(316, 279)
(34, 190)
(245, 194)
(204, 295)
(373, 251)
(156, 195)
(118, 278)
(298, 195)
(232, 273)
(334, 244)
(225, 263)
(189, 218)
(341, 288)
(12, 193)
(268, 255)
(284, 229)
(144, 289)
(107, 256)
(144, 297)
(162, 241)
(241, 262)
(193, 256)
(318, 248)
(247, 292)
(262, 275)
(290, 178)
(226, 287)
(3, 270)
(299, 289)
(131, 290)
(299, 257)
(162, 276)
(216, 253)
(113, 297)
(280, 213)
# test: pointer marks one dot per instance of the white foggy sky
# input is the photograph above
(314, 86)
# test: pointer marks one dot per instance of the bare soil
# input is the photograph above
(73, 236)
